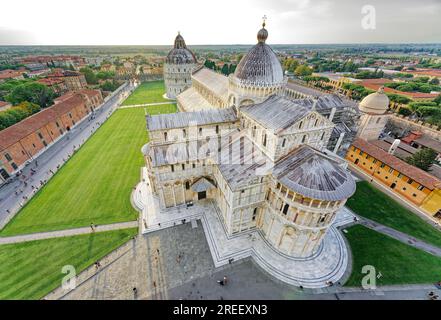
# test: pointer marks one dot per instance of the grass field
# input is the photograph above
(397, 262)
(30, 270)
(373, 204)
(96, 183)
(147, 92)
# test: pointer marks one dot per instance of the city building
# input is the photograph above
(178, 67)
(73, 80)
(11, 74)
(25, 140)
(416, 185)
(258, 155)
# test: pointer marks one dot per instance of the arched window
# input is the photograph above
(165, 136)
(323, 136)
(301, 125)
(187, 185)
(285, 209)
(304, 138)
(264, 140)
(283, 143)
(184, 133)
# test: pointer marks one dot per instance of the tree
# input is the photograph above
(89, 75)
(434, 81)
(33, 92)
(303, 70)
(225, 69)
(423, 159)
(17, 113)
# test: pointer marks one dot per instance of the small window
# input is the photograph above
(361, 153)
(165, 136)
(421, 188)
(184, 133)
(200, 131)
(183, 166)
(323, 136)
(187, 185)
(264, 140)
(172, 168)
(375, 161)
(194, 165)
(410, 181)
(400, 175)
(391, 170)
(283, 143)
(8, 157)
(217, 129)
(285, 209)
(301, 125)
(382, 165)
(304, 139)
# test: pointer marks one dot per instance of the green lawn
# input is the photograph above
(147, 92)
(30, 270)
(373, 204)
(96, 183)
(397, 262)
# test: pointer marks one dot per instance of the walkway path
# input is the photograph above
(400, 236)
(147, 105)
(68, 232)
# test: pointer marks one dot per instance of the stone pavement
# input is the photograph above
(15, 194)
(67, 233)
(152, 264)
(328, 264)
(183, 269)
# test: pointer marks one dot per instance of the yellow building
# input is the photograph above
(416, 185)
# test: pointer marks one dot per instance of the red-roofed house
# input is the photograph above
(414, 184)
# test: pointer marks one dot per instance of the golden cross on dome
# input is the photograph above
(264, 20)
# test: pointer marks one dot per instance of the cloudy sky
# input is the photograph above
(144, 22)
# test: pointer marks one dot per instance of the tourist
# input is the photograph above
(225, 279)
(221, 282)
(92, 226)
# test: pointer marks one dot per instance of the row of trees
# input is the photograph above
(93, 77)
(17, 113)
(226, 69)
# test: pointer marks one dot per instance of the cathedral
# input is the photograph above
(243, 143)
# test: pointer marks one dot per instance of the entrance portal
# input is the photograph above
(202, 195)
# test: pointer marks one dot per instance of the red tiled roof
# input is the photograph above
(410, 171)
(18, 131)
(8, 74)
(4, 103)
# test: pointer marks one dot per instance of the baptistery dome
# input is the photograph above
(260, 65)
(180, 54)
(375, 103)
(178, 67)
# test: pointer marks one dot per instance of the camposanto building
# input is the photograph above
(258, 155)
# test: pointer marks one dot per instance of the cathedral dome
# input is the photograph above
(180, 54)
(260, 66)
(375, 103)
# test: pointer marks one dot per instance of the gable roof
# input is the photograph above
(185, 119)
(216, 82)
(276, 113)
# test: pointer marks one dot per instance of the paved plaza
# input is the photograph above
(183, 269)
